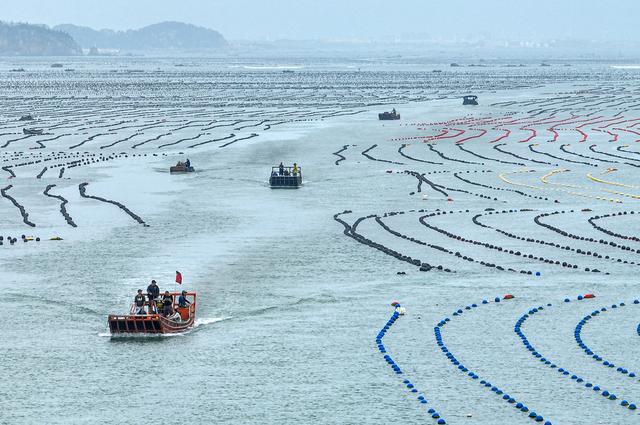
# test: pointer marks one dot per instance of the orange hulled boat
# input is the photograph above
(152, 322)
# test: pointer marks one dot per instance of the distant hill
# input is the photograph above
(35, 40)
(165, 35)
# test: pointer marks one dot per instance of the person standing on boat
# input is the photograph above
(139, 302)
(183, 302)
(167, 304)
(153, 292)
(187, 163)
(281, 169)
(296, 169)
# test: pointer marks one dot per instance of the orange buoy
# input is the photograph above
(508, 297)
(589, 296)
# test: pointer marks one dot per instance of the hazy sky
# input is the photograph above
(331, 19)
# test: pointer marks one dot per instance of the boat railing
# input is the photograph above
(286, 172)
(191, 296)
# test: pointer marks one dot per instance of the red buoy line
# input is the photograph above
(610, 133)
(534, 133)
(585, 136)
(504, 136)
(482, 133)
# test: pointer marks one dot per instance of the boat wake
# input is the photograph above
(197, 324)
(209, 320)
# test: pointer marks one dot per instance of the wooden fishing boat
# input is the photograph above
(182, 167)
(32, 131)
(393, 115)
(155, 323)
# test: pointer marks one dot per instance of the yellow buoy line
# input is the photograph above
(597, 180)
(545, 178)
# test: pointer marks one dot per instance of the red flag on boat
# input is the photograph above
(178, 278)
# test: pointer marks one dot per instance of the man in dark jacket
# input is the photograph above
(153, 292)
(139, 302)
(183, 301)
(167, 304)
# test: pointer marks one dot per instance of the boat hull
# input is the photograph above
(146, 324)
(177, 169)
(285, 182)
(29, 132)
(386, 116)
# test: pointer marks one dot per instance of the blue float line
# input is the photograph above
(518, 330)
(472, 375)
(421, 399)
(588, 351)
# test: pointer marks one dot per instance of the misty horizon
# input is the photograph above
(357, 20)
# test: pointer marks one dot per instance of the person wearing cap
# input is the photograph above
(153, 292)
(182, 300)
(167, 304)
(139, 302)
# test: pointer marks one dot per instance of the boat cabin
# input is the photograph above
(151, 320)
(285, 177)
(470, 100)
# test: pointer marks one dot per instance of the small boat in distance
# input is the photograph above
(27, 117)
(155, 323)
(285, 177)
(393, 115)
(32, 131)
(470, 100)
(182, 167)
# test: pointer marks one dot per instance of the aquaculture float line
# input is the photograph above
(437, 330)
(423, 221)
(564, 372)
(539, 222)
(340, 157)
(543, 242)
(83, 192)
(63, 204)
(404, 145)
(41, 173)
(443, 156)
(519, 192)
(592, 221)
(578, 337)
(366, 154)
(443, 249)
(8, 169)
(396, 369)
(477, 155)
(351, 231)
(23, 212)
